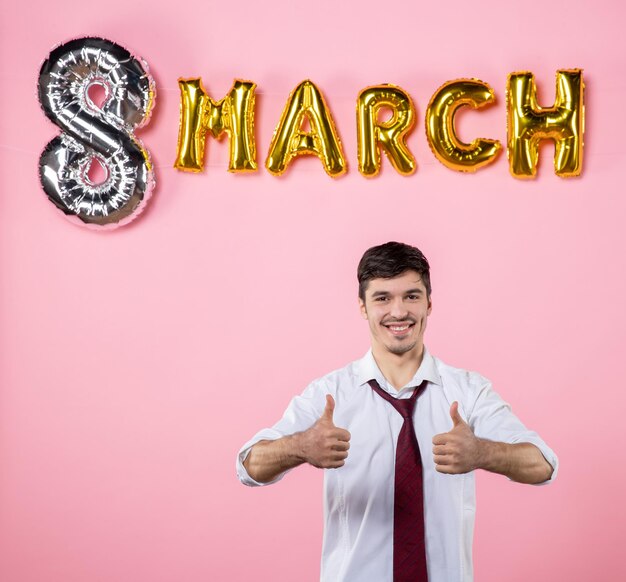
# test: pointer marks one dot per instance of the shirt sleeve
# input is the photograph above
(302, 412)
(491, 418)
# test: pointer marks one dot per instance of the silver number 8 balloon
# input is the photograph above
(96, 132)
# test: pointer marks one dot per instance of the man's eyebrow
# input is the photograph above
(416, 291)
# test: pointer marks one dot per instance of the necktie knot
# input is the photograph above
(405, 407)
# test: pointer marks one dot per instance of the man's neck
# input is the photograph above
(398, 369)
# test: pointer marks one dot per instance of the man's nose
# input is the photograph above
(397, 308)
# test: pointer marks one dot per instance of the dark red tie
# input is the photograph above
(409, 551)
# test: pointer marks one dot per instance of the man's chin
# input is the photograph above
(401, 348)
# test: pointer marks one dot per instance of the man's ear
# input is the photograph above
(362, 308)
(430, 305)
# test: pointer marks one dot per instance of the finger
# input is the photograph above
(443, 460)
(441, 450)
(440, 439)
(447, 469)
(335, 461)
(341, 446)
(454, 414)
(339, 455)
(341, 434)
(330, 407)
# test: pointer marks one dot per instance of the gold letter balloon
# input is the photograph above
(233, 115)
(440, 128)
(528, 124)
(290, 140)
(389, 134)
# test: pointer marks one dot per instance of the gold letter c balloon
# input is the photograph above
(440, 130)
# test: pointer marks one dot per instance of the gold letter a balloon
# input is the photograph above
(289, 140)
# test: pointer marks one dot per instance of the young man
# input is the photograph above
(401, 434)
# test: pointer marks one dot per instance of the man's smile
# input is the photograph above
(399, 328)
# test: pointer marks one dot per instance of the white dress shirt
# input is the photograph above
(359, 497)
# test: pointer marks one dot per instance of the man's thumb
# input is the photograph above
(330, 407)
(454, 414)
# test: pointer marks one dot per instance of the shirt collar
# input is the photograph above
(367, 369)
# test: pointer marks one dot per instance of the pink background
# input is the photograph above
(134, 363)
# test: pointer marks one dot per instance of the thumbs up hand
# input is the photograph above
(457, 451)
(324, 445)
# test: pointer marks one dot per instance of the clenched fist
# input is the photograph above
(457, 451)
(324, 445)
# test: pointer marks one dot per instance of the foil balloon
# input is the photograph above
(440, 128)
(232, 116)
(390, 135)
(528, 124)
(95, 132)
(306, 103)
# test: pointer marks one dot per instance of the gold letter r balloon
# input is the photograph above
(390, 134)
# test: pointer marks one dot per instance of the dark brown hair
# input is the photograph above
(390, 260)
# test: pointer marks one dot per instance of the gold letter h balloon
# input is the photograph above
(528, 123)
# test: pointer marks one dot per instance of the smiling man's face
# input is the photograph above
(397, 310)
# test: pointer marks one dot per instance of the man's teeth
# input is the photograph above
(399, 327)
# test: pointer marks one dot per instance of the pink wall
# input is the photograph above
(124, 355)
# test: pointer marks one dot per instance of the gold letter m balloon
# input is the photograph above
(233, 115)
(528, 124)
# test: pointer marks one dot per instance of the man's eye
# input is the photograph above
(381, 298)
(413, 297)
